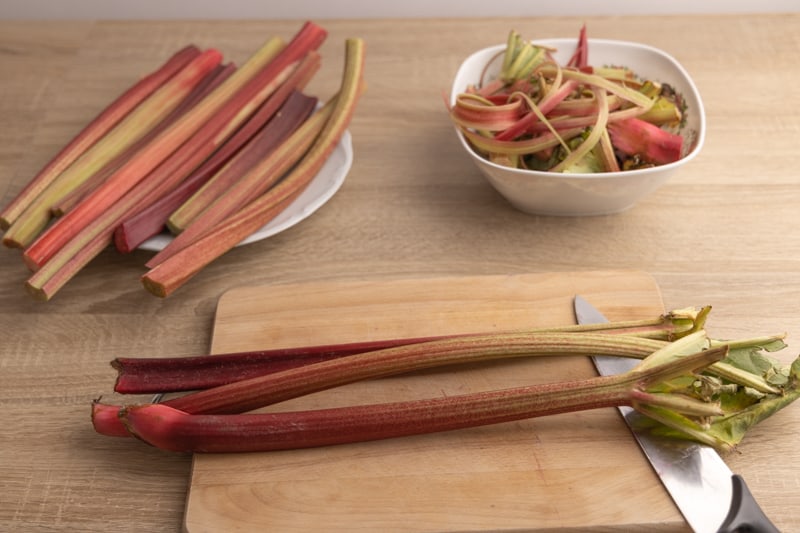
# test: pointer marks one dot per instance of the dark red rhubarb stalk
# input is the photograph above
(249, 394)
(210, 109)
(177, 374)
(96, 129)
(172, 273)
(288, 118)
(185, 213)
(249, 175)
(171, 429)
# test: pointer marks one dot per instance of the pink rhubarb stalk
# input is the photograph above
(95, 130)
(297, 80)
(152, 155)
(31, 223)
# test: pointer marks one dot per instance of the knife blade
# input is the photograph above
(710, 497)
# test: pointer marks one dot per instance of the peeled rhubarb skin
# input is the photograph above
(637, 137)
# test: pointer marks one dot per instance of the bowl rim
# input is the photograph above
(700, 133)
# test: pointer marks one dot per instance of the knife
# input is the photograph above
(711, 498)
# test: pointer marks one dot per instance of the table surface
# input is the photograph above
(724, 231)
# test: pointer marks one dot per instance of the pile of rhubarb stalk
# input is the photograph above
(690, 385)
(206, 150)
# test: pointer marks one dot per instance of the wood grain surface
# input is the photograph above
(724, 231)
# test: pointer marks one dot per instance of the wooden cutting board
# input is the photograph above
(566, 472)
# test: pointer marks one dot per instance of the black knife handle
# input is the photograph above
(745, 516)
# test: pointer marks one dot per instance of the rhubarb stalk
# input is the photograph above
(214, 78)
(172, 429)
(224, 114)
(174, 272)
(89, 241)
(136, 124)
(297, 80)
(155, 152)
(95, 130)
(248, 176)
(173, 374)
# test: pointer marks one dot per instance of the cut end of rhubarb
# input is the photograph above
(153, 287)
(11, 243)
(38, 293)
(106, 421)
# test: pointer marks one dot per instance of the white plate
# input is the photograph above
(324, 185)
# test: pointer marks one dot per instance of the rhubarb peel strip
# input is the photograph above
(174, 272)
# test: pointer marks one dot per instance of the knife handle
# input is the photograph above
(744, 515)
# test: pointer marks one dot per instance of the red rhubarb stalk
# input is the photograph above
(171, 429)
(95, 130)
(249, 175)
(137, 123)
(296, 109)
(211, 82)
(297, 80)
(174, 272)
(174, 374)
(257, 392)
(249, 394)
(74, 254)
(227, 95)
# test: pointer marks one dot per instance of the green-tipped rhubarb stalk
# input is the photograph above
(172, 429)
(172, 374)
(676, 385)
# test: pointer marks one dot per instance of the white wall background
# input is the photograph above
(322, 9)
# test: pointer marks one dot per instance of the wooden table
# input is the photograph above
(724, 231)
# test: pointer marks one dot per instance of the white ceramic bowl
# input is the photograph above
(563, 194)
